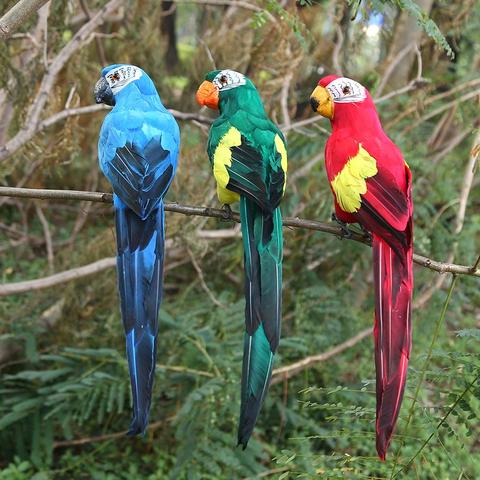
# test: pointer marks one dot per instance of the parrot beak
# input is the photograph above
(103, 93)
(207, 94)
(322, 102)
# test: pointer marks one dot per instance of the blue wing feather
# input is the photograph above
(138, 152)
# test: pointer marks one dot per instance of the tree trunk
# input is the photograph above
(407, 33)
(168, 31)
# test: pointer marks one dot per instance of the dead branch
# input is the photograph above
(58, 278)
(17, 15)
(203, 283)
(108, 436)
(73, 112)
(330, 228)
(284, 373)
(48, 237)
(98, 42)
(37, 107)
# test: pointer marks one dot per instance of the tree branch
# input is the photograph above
(17, 15)
(331, 228)
(58, 278)
(37, 107)
(284, 373)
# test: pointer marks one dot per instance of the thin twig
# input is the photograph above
(391, 67)
(107, 436)
(98, 42)
(437, 428)
(331, 228)
(48, 237)
(204, 285)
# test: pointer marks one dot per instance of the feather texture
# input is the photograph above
(263, 245)
(137, 150)
(372, 186)
(249, 161)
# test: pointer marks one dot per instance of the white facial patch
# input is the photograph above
(346, 90)
(120, 77)
(228, 79)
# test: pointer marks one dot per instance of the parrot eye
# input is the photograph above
(346, 90)
(228, 79)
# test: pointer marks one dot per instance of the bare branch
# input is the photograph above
(331, 228)
(203, 283)
(284, 373)
(284, 99)
(98, 42)
(17, 15)
(58, 278)
(391, 67)
(48, 236)
(108, 436)
(48, 81)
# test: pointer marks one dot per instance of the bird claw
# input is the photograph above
(366, 234)
(227, 212)
(346, 232)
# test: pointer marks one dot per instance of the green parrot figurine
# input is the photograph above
(249, 160)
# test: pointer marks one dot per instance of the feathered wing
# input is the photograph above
(140, 178)
(386, 211)
(240, 168)
(393, 279)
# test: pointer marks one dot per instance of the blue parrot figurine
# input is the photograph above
(137, 151)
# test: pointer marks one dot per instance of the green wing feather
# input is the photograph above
(249, 158)
(263, 245)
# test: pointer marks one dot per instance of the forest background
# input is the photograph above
(64, 386)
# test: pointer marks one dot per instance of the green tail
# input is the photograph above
(263, 246)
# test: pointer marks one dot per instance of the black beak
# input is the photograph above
(103, 93)
(314, 103)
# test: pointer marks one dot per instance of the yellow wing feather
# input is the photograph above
(222, 158)
(280, 146)
(350, 183)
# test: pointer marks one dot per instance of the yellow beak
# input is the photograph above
(322, 102)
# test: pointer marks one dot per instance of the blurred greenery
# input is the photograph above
(64, 387)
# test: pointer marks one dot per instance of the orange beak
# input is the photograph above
(207, 94)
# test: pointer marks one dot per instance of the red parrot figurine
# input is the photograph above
(371, 185)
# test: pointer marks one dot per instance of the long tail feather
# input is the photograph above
(393, 333)
(140, 244)
(263, 245)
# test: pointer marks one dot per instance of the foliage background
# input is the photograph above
(64, 393)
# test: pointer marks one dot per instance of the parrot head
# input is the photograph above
(334, 95)
(220, 86)
(116, 77)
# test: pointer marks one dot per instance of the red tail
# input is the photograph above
(393, 279)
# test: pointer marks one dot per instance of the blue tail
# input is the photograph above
(140, 244)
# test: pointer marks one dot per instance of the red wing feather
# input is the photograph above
(393, 334)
